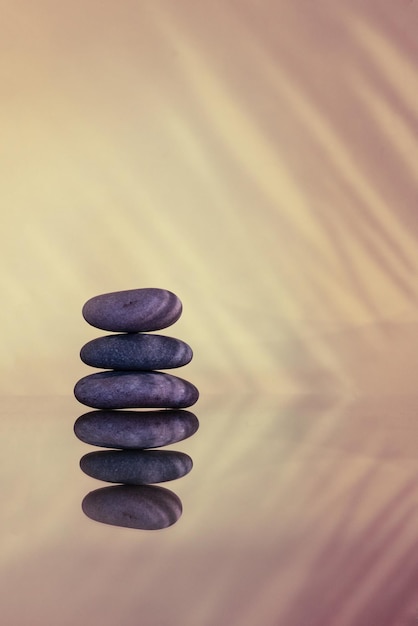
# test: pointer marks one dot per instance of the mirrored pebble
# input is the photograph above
(133, 310)
(136, 351)
(135, 429)
(136, 467)
(144, 507)
(120, 390)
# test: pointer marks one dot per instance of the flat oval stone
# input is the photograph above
(133, 310)
(135, 429)
(125, 390)
(136, 467)
(144, 507)
(136, 351)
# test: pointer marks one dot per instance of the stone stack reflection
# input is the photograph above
(130, 380)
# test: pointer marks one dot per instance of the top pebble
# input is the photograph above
(133, 311)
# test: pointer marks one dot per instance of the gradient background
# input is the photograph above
(259, 159)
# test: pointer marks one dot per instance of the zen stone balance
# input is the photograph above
(130, 360)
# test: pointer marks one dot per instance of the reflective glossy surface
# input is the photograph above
(299, 510)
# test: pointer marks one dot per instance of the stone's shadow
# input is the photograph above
(144, 507)
(135, 502)
(136, 467)
(135, 429)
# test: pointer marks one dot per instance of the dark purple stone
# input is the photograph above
(145, 507)
(136, 467)
(120, 390)
(135, 429)
(136, 351)
(133, 310)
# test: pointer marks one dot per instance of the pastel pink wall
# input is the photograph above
(257, 158)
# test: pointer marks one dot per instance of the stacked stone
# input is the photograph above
(131, 380)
